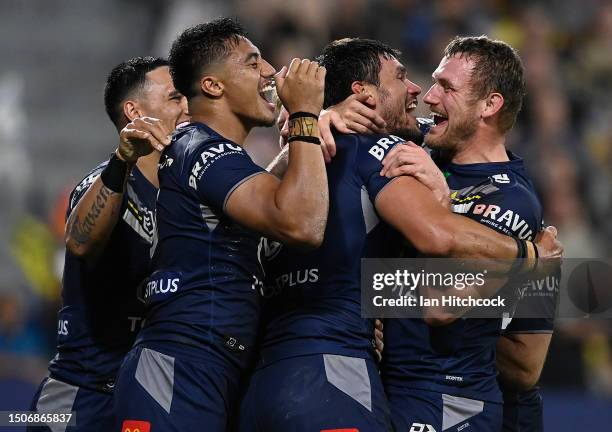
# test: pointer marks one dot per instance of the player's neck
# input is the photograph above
(222, 120)
(148, 167)
(482, 150)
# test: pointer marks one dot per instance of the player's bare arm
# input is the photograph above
(95, 215)
(520, 358)
(294, 210)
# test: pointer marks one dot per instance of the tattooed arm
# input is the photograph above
(94, 217)
(92, 220)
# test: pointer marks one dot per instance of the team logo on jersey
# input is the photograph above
(422, 427)
(379, 149)
(135, 426)
(140, 218)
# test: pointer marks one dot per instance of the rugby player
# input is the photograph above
(440, 374)
(108, 235)
(201, 300)
(316, 369)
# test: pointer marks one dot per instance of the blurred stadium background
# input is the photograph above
(53, 129)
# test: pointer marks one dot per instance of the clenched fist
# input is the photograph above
(301, 87)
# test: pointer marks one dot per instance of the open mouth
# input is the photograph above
(438, 119)
(268, 93)
(412, 106)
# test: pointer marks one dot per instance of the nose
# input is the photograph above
(430, 97)
(267, 70)
(413, 89)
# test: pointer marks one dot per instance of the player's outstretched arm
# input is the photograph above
(411, 208)
(294, 210)
(95, 215)
(520, 359)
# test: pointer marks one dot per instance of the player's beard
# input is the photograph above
(393, 111)
(459, 131)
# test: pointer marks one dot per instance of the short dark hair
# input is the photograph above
(497, 67)
(124, 79)
(349, 60)
(198, 47)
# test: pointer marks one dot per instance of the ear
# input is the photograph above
(493, 104)
(131, 110)
(212, 86)
(359, 87)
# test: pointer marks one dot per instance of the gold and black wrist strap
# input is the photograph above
(304, 126)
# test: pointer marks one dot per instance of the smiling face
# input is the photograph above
(159, 99)
(455, 111)
(396, 99)
(246, 75)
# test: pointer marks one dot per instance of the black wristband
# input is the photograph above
(522, 248)
(303, 114)
(113, 175)
(521, 254)
(308, 139)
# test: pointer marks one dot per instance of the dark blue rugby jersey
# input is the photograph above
(459, 359)
(101, 313)
(523, 410)
(313, 300)
(202, 293)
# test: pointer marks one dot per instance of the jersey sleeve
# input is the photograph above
(79, 191)
(509, 211)
(371, 150)
(217, 169)
(515, 212)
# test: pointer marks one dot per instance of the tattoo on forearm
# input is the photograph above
(80, 231)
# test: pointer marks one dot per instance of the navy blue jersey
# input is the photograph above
(313, 300)
(101, 313)
(523, 411)
(459, 359)
(202, 292)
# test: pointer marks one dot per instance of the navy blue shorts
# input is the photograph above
(426, 411)
(524, 413)
(321, 392)
(159, 392)
(93, 409)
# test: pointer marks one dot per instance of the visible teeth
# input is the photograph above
(269, 92)
(438, 118)
(413, 105)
